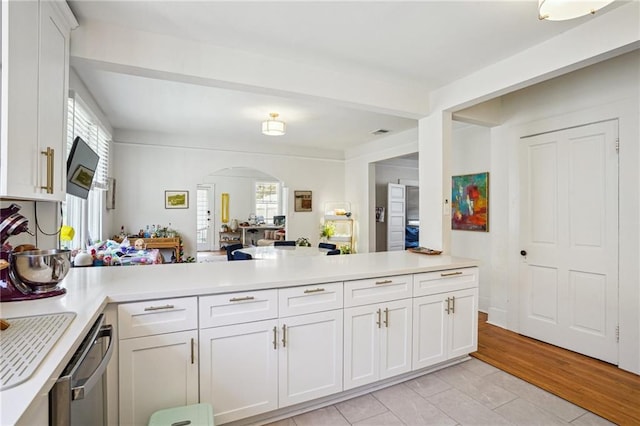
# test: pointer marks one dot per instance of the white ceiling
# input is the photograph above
(425, 45)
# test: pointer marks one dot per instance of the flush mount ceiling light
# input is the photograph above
(273, 126)
(561, 10)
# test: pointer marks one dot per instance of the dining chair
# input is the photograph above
(240, 255)
(284, 243)
(327, 246)
(333, 252)
(231, 248)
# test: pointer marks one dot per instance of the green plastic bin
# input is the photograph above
(190, 415)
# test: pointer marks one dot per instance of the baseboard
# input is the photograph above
(497, 317)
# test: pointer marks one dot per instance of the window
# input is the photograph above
(85, 216)
(267, 200)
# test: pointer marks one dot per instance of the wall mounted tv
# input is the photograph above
(81, 167)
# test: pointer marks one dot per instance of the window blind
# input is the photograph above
(86, 217)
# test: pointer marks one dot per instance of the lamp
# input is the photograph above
(561, 10)
(273, 126)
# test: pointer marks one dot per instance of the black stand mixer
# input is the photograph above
(13, 285)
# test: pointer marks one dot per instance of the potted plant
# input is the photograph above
(303, 242)
(327, 230)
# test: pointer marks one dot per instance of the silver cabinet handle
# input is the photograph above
(379, 322)
(453, 305)
(240, 299)
(193, 357)
(451, 274)
(386, 317)
(448, 308)
(317, 290)
(284, 335)
(275, 337)
(384, 282)
(158, 308)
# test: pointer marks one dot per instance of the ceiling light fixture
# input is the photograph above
(561, 10)
(273, 126)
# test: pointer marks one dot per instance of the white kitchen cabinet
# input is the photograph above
(157, 372)
(252, 368)
(310, 357)
(377, 341)
(157, 357)
(239, 369)
(35, 75)
(445, 326)
(275, 354)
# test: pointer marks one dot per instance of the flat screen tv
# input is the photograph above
(81, 167)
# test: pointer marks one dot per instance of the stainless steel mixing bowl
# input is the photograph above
(40, 270)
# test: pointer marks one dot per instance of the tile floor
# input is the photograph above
(471, 393)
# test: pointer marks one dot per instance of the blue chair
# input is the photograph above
(333, 252)
(240, 255)
(327, 246)
(284, 243)
(231, 248)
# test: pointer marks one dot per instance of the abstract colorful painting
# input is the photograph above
(470, 202)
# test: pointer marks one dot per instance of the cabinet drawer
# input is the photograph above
(157, 317)
(309, 299)
(235, 308)
(376, 290)
(443, 281)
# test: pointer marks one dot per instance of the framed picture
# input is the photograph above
(82, 177)
(303, 201)
(176, 199)
(470, 202)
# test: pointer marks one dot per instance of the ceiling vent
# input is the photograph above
(380, 132)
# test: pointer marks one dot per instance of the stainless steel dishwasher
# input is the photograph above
(78, 397)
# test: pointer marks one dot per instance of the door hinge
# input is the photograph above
(617, 333)
(617, 144)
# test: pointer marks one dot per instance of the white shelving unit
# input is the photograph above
(339, 214)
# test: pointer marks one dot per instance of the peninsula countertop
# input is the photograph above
(89, 290)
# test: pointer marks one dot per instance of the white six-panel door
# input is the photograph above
(396, 214)
(569, 239)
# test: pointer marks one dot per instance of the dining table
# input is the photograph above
(278, 252)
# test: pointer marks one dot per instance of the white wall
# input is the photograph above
(471, 153)
(144, 172)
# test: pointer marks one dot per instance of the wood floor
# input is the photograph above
(594, 385)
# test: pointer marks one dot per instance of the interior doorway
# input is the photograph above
(240, 185)
(402, 171)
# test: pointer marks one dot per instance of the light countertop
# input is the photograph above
(89, 290)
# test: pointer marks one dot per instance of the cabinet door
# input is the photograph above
(52, 99)
(395, 339)
(157, 372)
(18, 128)
(463, 326)
(430, 323)
(361, 346)
(310, 361)
(239, 369)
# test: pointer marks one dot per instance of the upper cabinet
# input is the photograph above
(33, 111)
